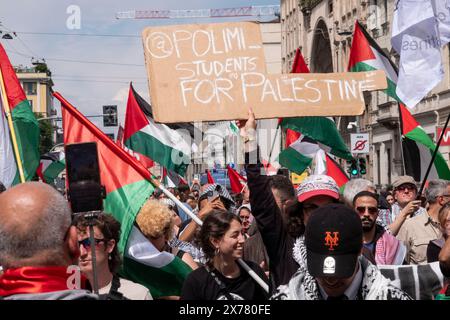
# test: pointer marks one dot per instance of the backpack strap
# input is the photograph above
(113, 293)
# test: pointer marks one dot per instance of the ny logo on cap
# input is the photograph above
(331, 241)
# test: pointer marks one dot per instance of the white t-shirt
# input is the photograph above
(130, 290)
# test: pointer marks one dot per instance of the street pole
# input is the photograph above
(358, 130)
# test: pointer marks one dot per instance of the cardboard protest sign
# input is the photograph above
(212, 72)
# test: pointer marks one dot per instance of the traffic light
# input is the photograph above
(352, 167)
(362, 165)
(110, 116)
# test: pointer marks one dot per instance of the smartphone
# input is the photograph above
(85, 191)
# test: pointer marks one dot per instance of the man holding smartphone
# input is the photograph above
(418, 231)
(406, 204)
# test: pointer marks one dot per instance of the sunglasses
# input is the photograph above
(362, 210)
(410, 187)
(86, 243)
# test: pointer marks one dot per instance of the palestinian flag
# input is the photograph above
(210, 177)
(50, 166)
(25, 126)
(154, 140)
(237, 182)
(417, 146)
(366, 55)
(335, 171)
(299, 155)
(321, 129)
(127, 188)
(299, 66)
(328, 166)
(418, 150)
(171, 180)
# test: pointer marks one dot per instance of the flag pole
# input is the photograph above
(401, 135)
(11, 128)
(422, 186)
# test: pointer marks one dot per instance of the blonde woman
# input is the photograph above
(156, 222)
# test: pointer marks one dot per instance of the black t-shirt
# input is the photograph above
(200, 285)
(433, 251)
(279, 244)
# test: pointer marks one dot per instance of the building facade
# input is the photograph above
(38, 89)
(322, 29)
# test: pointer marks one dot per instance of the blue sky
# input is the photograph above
(89, 86)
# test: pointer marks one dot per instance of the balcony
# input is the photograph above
(388, 114)
(307, 5)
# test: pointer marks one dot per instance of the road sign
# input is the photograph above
(359, 143)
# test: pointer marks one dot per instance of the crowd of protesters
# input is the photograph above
(309, 242)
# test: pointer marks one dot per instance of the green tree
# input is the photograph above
(45, 143)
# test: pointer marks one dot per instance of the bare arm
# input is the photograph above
(189, 232)
(187, 258)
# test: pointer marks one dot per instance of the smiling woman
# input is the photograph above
(222, 278)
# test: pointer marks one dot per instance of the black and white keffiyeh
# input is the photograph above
(303, 286)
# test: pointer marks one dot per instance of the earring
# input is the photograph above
(217, 251)
(109, 257)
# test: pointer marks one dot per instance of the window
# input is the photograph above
(30, 88)
(330, 6)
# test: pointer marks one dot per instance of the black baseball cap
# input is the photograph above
(333, 241)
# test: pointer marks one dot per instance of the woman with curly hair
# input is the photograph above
(222, 278)
(156, 222)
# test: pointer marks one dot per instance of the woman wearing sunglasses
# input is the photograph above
(106, 237)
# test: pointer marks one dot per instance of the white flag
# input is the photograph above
(442, 10)
(320, 162)
(415, 36)
(8, 167)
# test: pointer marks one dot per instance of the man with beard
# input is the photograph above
(379, 245)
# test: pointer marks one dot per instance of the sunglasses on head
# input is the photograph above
(86, 243)
(372, 210)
